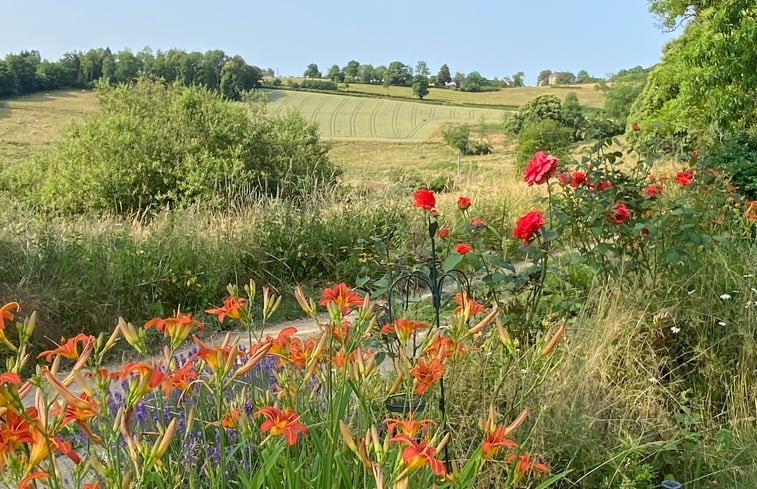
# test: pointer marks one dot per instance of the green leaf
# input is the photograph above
(452, 261)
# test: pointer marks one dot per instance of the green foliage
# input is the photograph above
(458, 137)
(155, 145)
(237, 77)
(622, 94)
(329, 85)
(537, 109)
(705, 86)
(572, 115)
(737, 156)
(420, 86)
(397, 74)
(444, 76)
(312, 71)
(546, 135)
(335, 74)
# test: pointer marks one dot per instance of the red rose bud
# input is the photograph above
(635, 127)
(442, 232)
(477, 222)
(463, 203)
(685, 177)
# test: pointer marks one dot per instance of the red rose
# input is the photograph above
(694, 153)
(463, 203)
(425, 198)
(564, 178)
(685, 177)
(653, 190)
(619, 214)
(477, 222)
(462, 248)
(528, 225)
(635, 127)
(442, 232)
(577, 179)
(644, 231)
(541, 167)
(604, 186)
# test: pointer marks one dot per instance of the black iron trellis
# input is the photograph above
(435, 283)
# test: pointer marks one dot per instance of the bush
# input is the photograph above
(319, 85)
(155, 145)
(543, 107)
(548, 136)
(737, 156)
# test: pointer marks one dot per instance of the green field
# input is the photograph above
(344, 117)
(506, 98)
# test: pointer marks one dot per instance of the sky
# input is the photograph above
(497, 38)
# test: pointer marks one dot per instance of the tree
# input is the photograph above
(365, 74)
(565, 78)
(572, 115)
(473, 82)
(421, 68)
(312, 71)
(517, 80)
(238, 77)
(459, 138)
(335, 73)
(108, 65)
(458, 79)
(127, 69)
(24, 65)
(396, 74)
(543, 78)
(8, 80)
(379, 74)
(352, 70)
(420, 86)
(443, 77)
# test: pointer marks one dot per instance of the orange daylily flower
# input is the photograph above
(300, 353)
(426, 373)
(26, 481)
(751, 210)
(231, 308)
(524, 463)
(80, 413)
(281, 423)
(408, 427)
(217, 358)
(342, 298)
(150, 376)
(403, 328)
(495, 439)
(177, 327)
(6, 312)
(467, 307)
(231, 419)
(445, 347)
(418, 454)
(281, 342)
(68, 348)
(14, 430)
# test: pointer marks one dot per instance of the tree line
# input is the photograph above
(27, 72)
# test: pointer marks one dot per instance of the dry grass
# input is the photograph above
(33, 122)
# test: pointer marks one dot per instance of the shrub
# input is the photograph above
(155, 145)
(537, 109)
(737, 156)
(319, 85)
(547, 135)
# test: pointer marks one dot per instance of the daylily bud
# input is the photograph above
(518, 421)
(26, 330)
(126, 482)
(553, 341)
(166, 440)
(136, 340)
(250, 289)
(504, 336)
(306, 305)
(484, 322)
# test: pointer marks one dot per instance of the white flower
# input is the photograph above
(722, 323)
(692, 291)
(748, 275)
(675, 329)
(652, 380)
(725, 297)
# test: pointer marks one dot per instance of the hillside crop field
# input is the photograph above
(345, 117)
(506, 98)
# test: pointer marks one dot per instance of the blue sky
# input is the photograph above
(496, 38)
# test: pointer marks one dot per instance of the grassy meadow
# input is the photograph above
(653, 379)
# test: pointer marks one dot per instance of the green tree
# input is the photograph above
(459, 138)
(365, 74)
(8, 80)
(351, 71)
(566, 78)
(705, 88)
(127, 68)
(335, 73)
(543, 78)
(379, 74)
(24, 65)
(238, 77)
(420, 86)
(517, 79)
(572, 115)
(473, 82)
(421, 68)
(444, 76)
(543, 107)
(312, 71)
(108, 65)
(396, 74)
